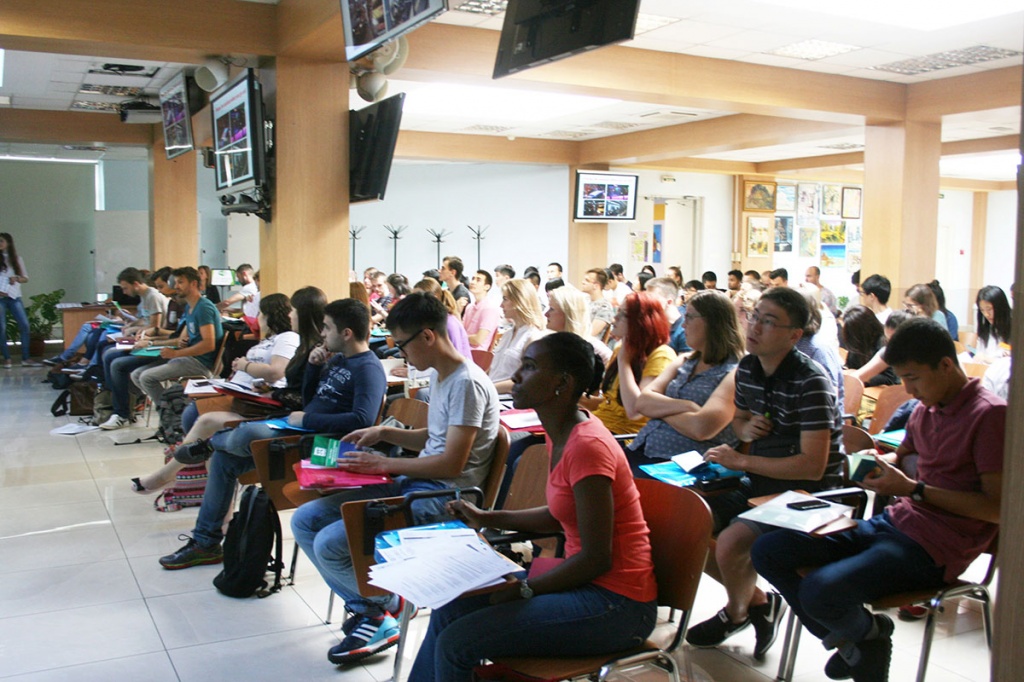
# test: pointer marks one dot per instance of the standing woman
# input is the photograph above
(641, 355)
(12, 276)
(601, 598)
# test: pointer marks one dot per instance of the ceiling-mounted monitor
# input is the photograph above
(176, 113)
(238, 135)
(369, 24)
(603, 197)
(536, 32)
(373, 133)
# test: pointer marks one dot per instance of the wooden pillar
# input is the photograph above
(588, 242)
(901, 203)
(174, 218)
(307, 241)
(979, 226)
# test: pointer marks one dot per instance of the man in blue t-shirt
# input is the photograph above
(343, 390)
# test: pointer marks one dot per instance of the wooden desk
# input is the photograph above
(72, 319)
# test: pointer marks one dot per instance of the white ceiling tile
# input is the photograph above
(646, 43)
(680, 9)
(693, 32)
(822, 66)
(755, 41)
(772, 60)
(66, 77)
(864, 58)
(716, 52)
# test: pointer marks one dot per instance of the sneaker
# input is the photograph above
(31, 363)
(397, 613)
(53, 362)
(875, 654)
(766, 619)
(368, 636)
(193, 453)
(912, 612)
(714, 630)
(837, 668)
(192, 554)
(115, 422)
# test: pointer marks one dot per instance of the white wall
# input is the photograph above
(1001, 239)
(525, 208)
(953, 251)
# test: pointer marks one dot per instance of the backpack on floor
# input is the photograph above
(170, 406)
(77, 400)
(251, 548)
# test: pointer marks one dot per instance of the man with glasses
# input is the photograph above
(455, 450)
(788, 411)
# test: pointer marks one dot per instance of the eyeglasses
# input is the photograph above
(400, 345)
(689, 317)
(767, 322)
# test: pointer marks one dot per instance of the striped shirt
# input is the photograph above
(798, 397)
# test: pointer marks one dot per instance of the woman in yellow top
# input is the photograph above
(641, 355)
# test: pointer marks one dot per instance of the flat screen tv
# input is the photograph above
(238, 139)
(371, 23)
(536, 32)
(373, 132)
(177, 117)
(223, 277)
(603, 197)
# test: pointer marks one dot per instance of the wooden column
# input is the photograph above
(901, 203)
(979, 226)
(588, 242)
(308, 242)
(174, 218)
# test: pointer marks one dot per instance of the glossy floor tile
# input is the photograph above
(83, 598)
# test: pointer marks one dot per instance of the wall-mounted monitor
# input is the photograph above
(605, 197)
(223, 277)
(536, 32)
(177, 118)
(238, 135)
(371, 23)
(373, 132)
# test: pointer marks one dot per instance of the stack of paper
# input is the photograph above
(432, 567)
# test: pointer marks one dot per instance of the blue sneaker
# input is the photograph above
(367, 636)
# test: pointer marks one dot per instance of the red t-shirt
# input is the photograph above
(592, 451)
(956, 443)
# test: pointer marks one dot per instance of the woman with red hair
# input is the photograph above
(641, 355)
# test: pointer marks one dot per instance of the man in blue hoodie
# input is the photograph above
(342, 391)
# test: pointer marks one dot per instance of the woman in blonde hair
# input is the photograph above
(521, 307)
(568, 311)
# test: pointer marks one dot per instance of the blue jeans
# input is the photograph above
(117, 370)
(80, 339)
(320, 531)
(16, 308)
(585, 621)
(856, 567)
(231, 458)
(189, 417)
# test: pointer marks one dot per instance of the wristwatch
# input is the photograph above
(918, 494)
(525, 591)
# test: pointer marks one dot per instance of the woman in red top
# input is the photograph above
(601, 598)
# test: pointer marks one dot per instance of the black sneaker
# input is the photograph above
(714, 630)
(766, 619)
(368, 636)
(54, 361)
(837, 668)
(193, 453)
(192, 554)
(875, 654)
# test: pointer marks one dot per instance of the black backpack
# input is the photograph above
(254, 532)
(170, 406)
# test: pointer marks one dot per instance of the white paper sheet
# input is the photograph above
(72, 429)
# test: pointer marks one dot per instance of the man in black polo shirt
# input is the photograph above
(787, 409)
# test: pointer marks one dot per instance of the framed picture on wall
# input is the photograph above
(851, 202)
(758, 196)
(808, 242)
(759, 229)
(807, 204)
(783, 233)
(831, 200)
(833, 232)
(785, 198)
(833, 256)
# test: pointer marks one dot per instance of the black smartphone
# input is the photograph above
(807, 505)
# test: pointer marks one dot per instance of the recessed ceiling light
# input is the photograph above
(947, 60)
(813, 49)
(906, 14)
(649, 22)
(841, 146)
(88, 105)
(487, 7)
(114, 90)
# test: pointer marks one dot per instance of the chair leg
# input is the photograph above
(295, 561)
(403, 630)
(789, 648)
(330, 608)
(986, 614)
(929, 631)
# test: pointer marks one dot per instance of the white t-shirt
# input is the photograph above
(510, 349)
(282, 345)
(12, 290)
(151, 302)
(250, 308)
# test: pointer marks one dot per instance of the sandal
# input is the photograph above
(140, 489)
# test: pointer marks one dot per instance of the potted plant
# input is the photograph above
(42, 316)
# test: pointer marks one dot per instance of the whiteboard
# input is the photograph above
(122, 240)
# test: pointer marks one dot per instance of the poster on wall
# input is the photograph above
(808, 242)
(852, 259)
(851, 202)
(758, 196)
(831, 200)
(639, 247)
(853, 235)
(833, 255)
(833, 232)
(785, 198)
(807, 204)
(656, 243)
(783, 234)
(758, 236)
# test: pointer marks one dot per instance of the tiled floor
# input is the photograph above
(82, 596)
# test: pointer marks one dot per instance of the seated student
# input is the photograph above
(821, 350)
(940, 298)
(482, 316)
(267, 361)
(196, 349)
(521, 307)
(641, 355)
(786, 409)
(602, 314)
(933, 531)
(567, 312)
(665, 290)
(994, 314)
(601, 598)
(690, 404)
(248, 296)
(921, 302)
(451, 274)
(864, 336)
(876, 366)
(342, 390)
(210, 291)
(456, 332)
(455, 450)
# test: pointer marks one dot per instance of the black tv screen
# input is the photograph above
(371, 23)
(238, 139)
(177, 117)
(373, 132)
(536, 32)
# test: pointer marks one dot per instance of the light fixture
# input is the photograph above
(812, 49)
(46, 159)
(486, 7)
(212, 74)
(950, 59)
